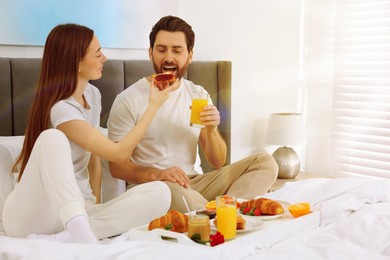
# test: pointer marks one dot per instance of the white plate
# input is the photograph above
(284, 204)
(262, 217)
(251, 224)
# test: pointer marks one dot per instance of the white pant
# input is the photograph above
(47, 196)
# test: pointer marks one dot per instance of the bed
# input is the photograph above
(349, 219)
(354, 224)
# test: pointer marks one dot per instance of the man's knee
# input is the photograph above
(193, 199)
(267, 163)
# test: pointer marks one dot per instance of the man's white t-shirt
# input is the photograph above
(169, 140)
(69, 109)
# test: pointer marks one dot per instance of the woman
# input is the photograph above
(53, 198)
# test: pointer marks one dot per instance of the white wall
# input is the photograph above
(319, 70)
(261, 38)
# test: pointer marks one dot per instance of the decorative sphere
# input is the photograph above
(288, 162)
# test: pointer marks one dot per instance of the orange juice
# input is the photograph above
(198, 102)
(227, 217)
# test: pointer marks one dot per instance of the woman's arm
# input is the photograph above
(95, 176)
(85, 135)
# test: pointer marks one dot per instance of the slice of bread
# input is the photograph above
(241, 223)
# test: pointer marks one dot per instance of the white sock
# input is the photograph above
(77, 230)
(80, 230)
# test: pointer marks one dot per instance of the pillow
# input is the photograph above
(10, 147)
(111, 187)
(14, 143)
(6, 178)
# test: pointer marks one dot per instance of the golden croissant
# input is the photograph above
(266, 206)
(173, 221)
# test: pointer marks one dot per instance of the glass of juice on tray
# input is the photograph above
(199, 101)
(227, 216)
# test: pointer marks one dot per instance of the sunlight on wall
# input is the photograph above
(120, 25)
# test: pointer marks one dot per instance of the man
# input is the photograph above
(168, 151)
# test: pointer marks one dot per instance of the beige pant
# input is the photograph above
(245, 179)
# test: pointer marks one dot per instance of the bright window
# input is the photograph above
(361, 103)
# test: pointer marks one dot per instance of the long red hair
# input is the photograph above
(66, 45)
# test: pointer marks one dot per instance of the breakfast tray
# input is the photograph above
(269, 233)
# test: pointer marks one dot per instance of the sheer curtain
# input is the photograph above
(360, 136)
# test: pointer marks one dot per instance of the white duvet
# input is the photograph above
(355, 224)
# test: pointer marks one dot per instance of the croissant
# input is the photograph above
(266, 206)
(173, 221)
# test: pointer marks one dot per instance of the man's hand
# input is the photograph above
(136, 174)
(175, 174)
(210, 116)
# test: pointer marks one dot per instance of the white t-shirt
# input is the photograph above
(69, 109)
(169, 140)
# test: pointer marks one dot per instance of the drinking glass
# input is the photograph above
(227, 216)
(199, 101)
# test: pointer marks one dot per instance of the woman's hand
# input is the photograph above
(158, 97)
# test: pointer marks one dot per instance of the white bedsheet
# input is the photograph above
(355, 224)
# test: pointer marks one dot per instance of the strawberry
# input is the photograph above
(216, 239)
(246, 210)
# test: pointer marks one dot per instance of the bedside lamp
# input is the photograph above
(286, 129)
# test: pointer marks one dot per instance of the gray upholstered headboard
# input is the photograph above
(19, 75)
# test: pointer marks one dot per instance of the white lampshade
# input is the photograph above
(286, 129)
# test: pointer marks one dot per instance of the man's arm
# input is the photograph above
(214, 147)
(133, 173)
(212, 143)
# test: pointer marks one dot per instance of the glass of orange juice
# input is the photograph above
(199, 101)
(227, 216)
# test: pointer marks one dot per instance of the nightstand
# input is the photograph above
(301, 176)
